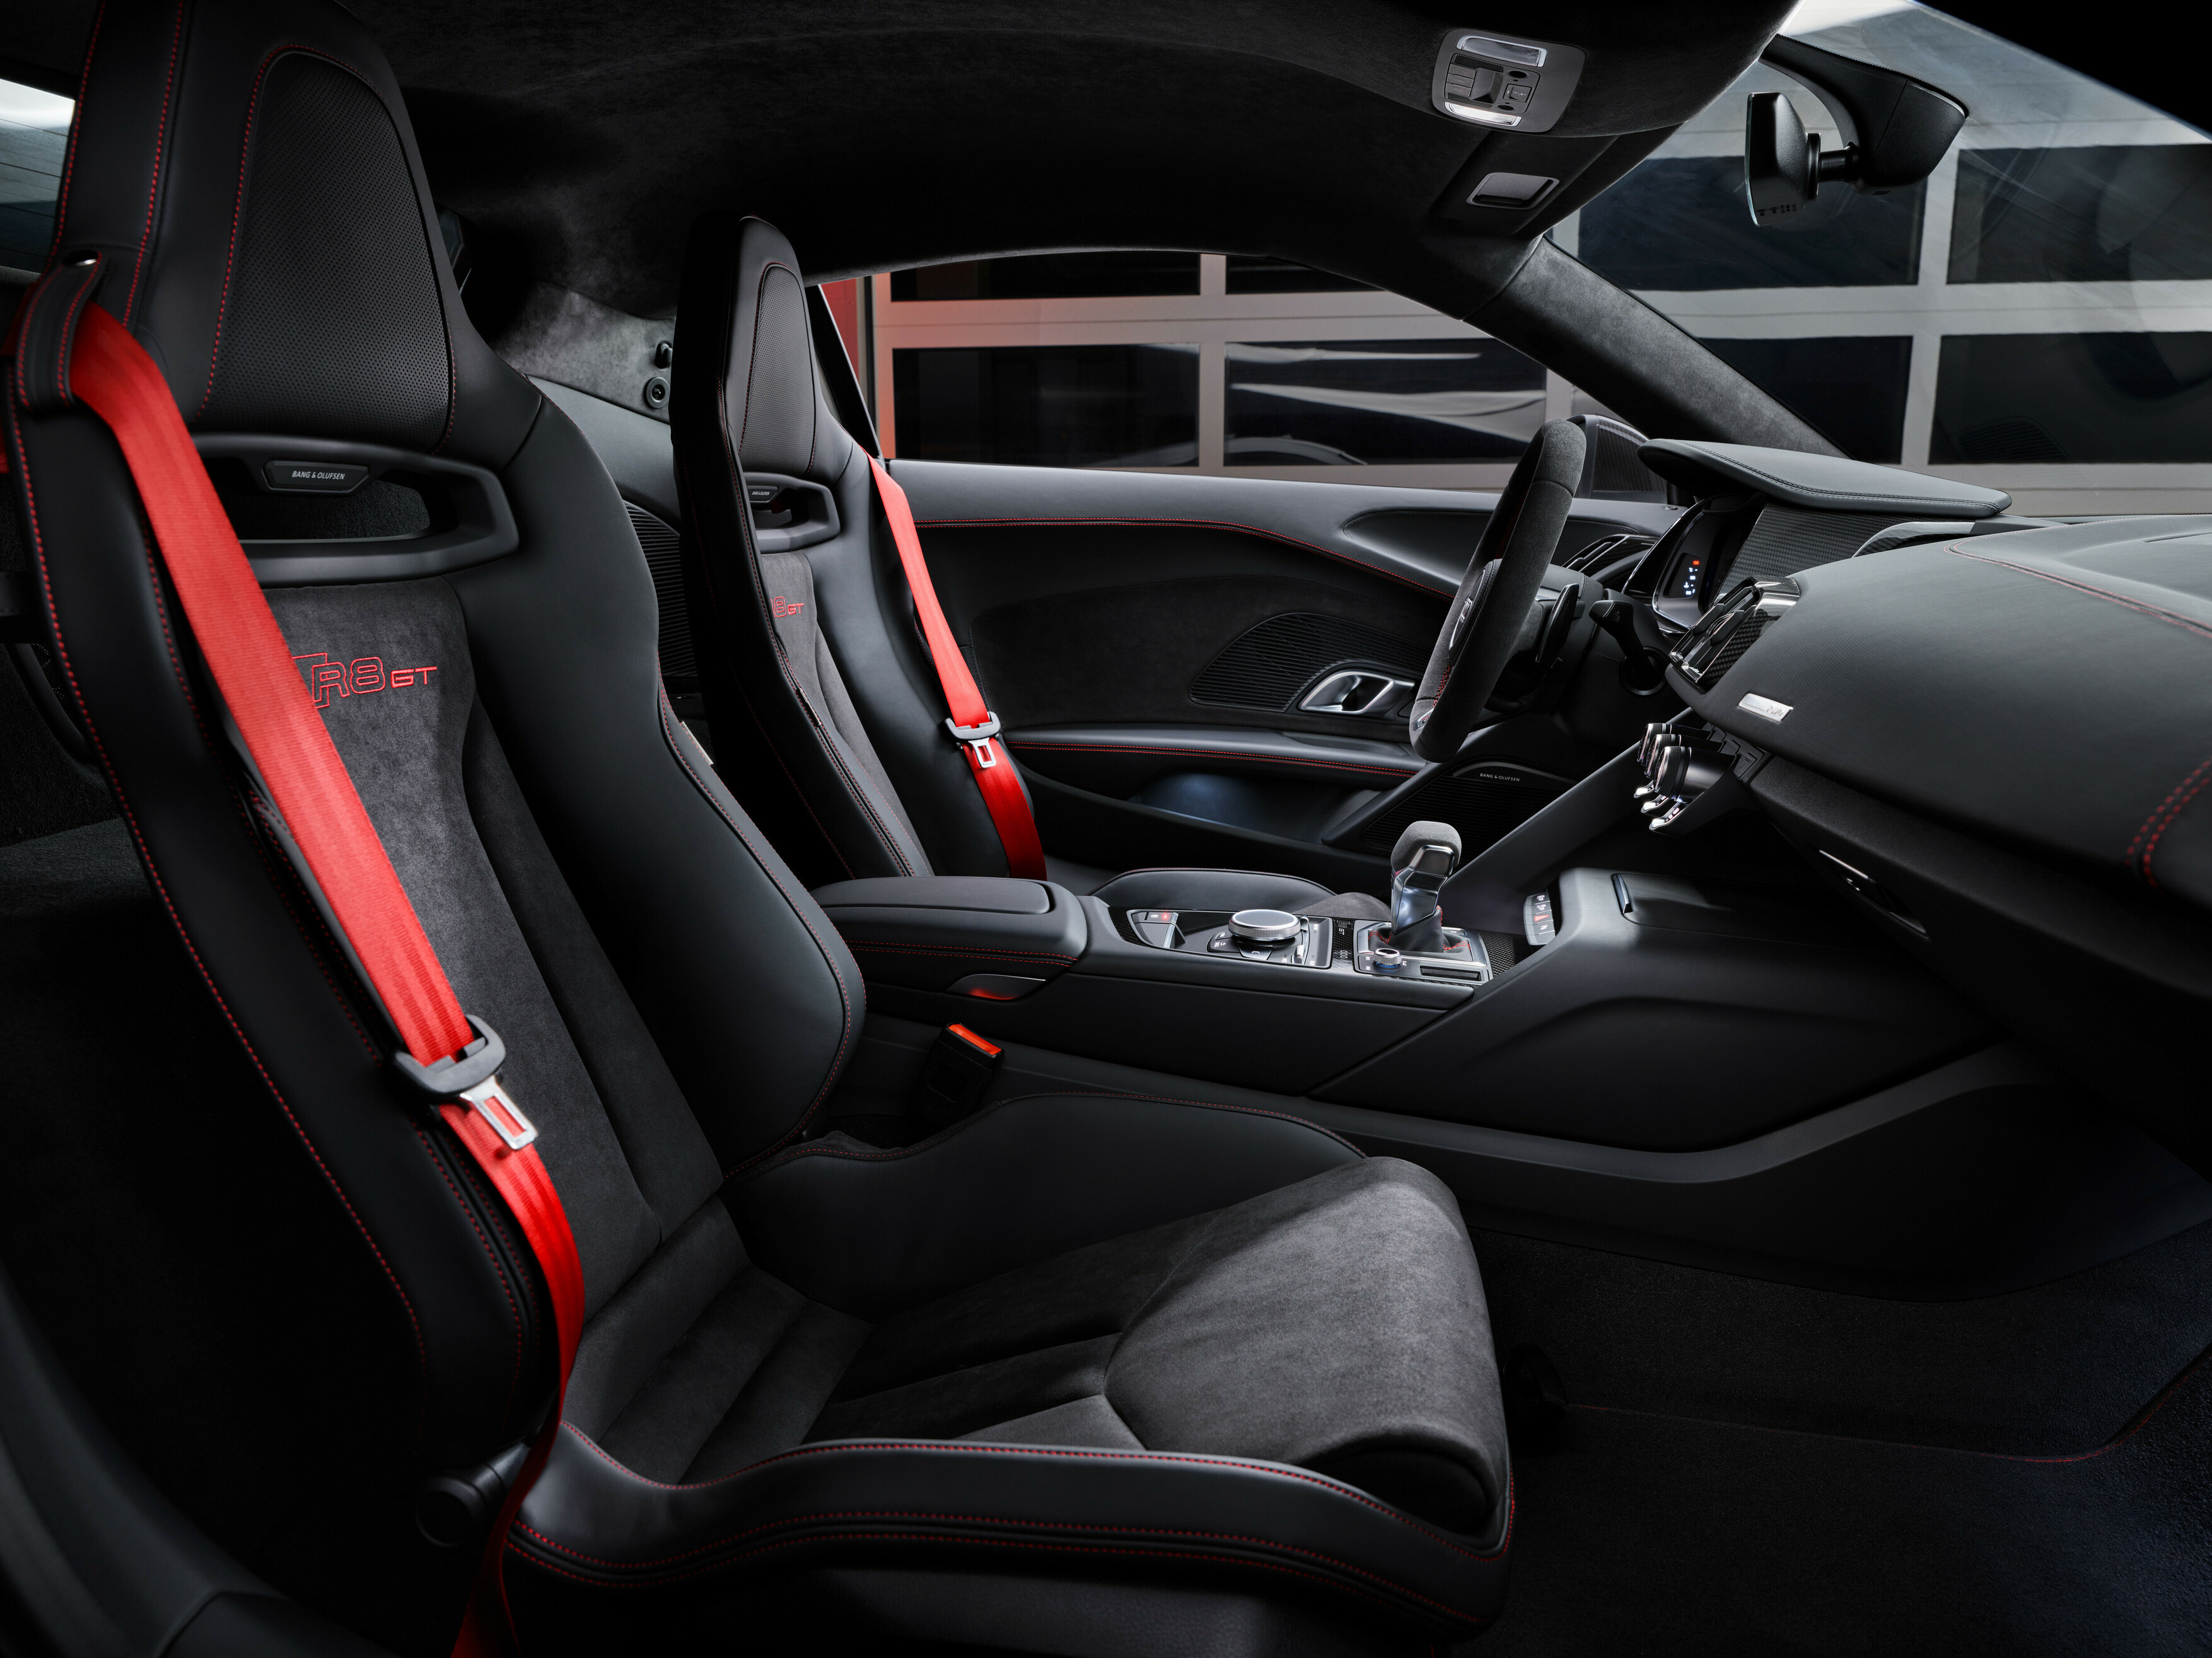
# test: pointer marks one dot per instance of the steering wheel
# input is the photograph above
(1487, 613)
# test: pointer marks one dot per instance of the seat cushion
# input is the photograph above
(1234, 890)
(1335, 1324)
(1297, 1386)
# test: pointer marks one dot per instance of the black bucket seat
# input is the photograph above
(825, 712)
(1088, 1373)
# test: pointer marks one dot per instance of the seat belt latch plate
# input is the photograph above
(472, 1075)
(978, 738)
(497, 1107)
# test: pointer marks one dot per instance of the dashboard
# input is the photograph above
(1992, 734)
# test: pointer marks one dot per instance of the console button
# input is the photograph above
(1264, 926)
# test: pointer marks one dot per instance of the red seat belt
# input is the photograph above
(972, 725)
(308, 783)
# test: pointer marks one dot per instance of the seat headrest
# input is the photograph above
(247, 170)
(744, 300)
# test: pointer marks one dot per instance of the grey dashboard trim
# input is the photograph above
(1822, 483)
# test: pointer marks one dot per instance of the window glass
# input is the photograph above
(2090, 213)
(34, 133)
(1852, 388)
(1256, 273)
(2037, 311)
(2111, 397)
(1355, 401)
(1063, 405)
(1681, 223)
(1050, 277)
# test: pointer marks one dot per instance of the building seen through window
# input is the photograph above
(34, 132)
(2036, 316)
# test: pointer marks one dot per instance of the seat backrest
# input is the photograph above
(825, 713)
(674, 1005)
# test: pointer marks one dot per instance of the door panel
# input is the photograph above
(1146, 639)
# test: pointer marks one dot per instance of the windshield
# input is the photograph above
(2037, 316)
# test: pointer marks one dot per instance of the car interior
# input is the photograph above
(638, 1021)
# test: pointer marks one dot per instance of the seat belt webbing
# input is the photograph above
(974, 727)
(308, 783)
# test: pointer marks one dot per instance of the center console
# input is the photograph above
(1701, 1058)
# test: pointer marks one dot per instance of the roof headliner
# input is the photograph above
(581, 139)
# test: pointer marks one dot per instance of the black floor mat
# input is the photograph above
(1658, 1535)
(1750, 1467)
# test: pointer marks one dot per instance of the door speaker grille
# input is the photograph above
(1269, 664)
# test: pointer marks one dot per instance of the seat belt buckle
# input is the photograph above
(955, 1075)
(472, 1075)
(978, 738)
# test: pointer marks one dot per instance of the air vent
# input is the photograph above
(1731, 627)
(1483, 800)
(1273, 662)
(679, 665)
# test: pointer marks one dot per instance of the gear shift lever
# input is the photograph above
(1419, 862)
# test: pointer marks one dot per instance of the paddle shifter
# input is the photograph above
(1419, 862)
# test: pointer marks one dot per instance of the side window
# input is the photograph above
(1228, 365)
(34, 132)
(2037, 316)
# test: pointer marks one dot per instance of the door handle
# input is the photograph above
(1357, 692)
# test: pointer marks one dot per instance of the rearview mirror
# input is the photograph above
(1894, 131)
(1781, 161)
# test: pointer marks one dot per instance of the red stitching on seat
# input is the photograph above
(959, 949)
(993, 1520)
(2162, 819)
(1468, 1619)
(844, 1001)
(161, 888)
(498, 1271)
(1282, 1471)
(153, 185)
(1183, 523)
(824, 738)
(238, 213)
(69, 159)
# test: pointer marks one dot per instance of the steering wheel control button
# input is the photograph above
(1264, 926)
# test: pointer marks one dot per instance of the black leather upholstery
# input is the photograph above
(677, 1009)
(929, 932)
(823, 705)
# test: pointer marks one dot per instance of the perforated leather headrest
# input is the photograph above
(253, 183)
(770, 390)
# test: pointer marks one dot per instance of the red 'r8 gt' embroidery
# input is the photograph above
(782, 606)
(361, 677)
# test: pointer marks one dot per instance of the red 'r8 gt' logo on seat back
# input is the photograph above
(782, 606)
(362, 677)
